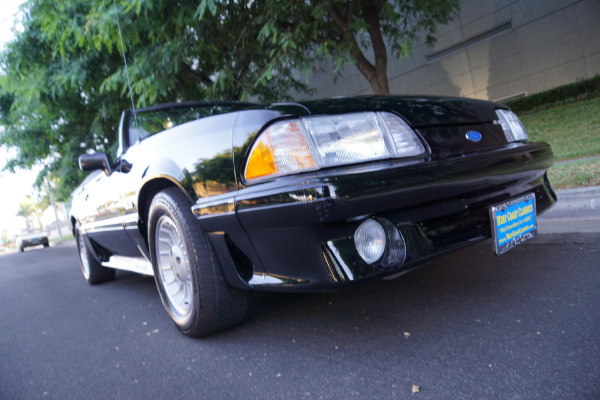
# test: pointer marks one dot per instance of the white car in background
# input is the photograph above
(32, 239)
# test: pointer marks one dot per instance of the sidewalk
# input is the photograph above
(577, 210)
(64, 243)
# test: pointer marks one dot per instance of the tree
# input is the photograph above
(346, 31)
(51, 107)
(64, 82)
(175, 51)
(32, 213)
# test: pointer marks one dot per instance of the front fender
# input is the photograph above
(165, 169)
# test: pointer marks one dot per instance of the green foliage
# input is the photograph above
(346, 30)
(580, 90)
(51, 108)
(571, 129)
(574, 174)
(64, 82)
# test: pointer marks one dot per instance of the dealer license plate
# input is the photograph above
(513, 222)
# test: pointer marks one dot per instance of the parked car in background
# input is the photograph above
(219, 199)
(30, 239)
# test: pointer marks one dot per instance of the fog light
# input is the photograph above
(370, 240)
(396, 252)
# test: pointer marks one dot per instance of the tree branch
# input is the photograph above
(361, 62)
(198, 77)
(337, 19)
(350, 11)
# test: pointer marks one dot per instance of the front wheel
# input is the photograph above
(187, 273)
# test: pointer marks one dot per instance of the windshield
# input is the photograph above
(157, 119)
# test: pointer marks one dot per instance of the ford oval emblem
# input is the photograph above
(474, 136)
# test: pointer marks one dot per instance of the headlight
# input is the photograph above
(512, 126)
(310, 143)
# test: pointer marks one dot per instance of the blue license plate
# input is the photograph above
(513, 222)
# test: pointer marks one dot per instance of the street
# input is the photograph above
(470, 325)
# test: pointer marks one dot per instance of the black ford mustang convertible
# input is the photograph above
(217, 199)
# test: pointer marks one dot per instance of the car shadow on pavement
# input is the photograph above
(468, 286)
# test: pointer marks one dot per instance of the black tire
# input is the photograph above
(21, 249)
(93, 271)
(187, 272)
(46, 244)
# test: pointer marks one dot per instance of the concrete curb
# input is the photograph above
(584, 202)
(577, 210)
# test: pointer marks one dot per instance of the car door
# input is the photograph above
(109, 204)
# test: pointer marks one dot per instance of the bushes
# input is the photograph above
(560, 95)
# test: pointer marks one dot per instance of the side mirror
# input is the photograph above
(92, 162)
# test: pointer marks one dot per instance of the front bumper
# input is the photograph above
(301, 228)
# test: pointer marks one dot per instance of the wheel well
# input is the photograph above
(73, 222)
(147, 193)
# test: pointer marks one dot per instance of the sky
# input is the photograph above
(13, 187)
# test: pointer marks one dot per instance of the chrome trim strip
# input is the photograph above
(211, 208)
(133, 264)
(131, 218)
(340, 261)
(107, 224)
(262, 279)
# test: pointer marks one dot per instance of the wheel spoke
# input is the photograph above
(179, 295)
(173, 266)
(169, 277)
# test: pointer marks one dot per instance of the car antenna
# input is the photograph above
(127, 72)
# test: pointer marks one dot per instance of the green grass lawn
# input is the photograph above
(576, 174)
(573, 131)
(67, 236)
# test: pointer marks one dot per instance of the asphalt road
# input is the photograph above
(471, 325)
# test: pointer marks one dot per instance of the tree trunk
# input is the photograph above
(376, 74)
(377, 77)
(53, 207)
(379, 82)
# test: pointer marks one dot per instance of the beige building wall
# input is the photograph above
(494, 50)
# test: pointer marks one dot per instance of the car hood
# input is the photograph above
(419, 111)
